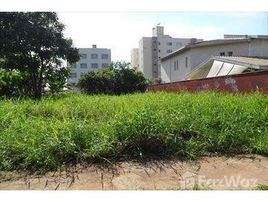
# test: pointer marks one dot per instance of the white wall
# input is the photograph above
(145, 52)
(198, 55)
(88, 51)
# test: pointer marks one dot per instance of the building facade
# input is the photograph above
(177, 65)
(135, 57)
(152, 49)
(90, 59)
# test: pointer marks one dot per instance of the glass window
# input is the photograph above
(169, 43)
(73, 65)
(94, 65)
(186, 62)
(230, 53)
(73, 75)
(83, 56)
(104, 56)
(169, 51)
(222, 54)
(94, 56)
(83, 65)
(104, 65)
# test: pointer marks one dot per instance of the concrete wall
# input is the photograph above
(145, 52)
(135, 57)
(89, 61)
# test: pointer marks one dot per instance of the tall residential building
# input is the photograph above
(90, 59)
(135, 57)
(152, 49)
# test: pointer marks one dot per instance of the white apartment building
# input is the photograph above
(135, 57)
(177, 65)
(152, 49)
(90, 59)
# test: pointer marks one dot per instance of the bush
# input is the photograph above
(117, 79)
(10, 83)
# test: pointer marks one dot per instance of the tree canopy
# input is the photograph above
(34, 43)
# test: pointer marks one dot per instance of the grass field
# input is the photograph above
(76, 128)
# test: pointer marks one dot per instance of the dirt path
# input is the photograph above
(241, 172)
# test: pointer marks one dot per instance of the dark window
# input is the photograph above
(104, 56)
(94, 65)
(83, 65)
(73, 75)
(169, 43)
(169, 51)
(222, 54)
(94, 56)
(186, 62)
(230, 53)
(104, 65)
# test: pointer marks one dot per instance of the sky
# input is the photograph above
(121, 31)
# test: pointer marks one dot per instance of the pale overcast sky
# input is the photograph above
(122, 31)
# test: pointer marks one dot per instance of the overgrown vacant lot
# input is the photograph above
(75, 128)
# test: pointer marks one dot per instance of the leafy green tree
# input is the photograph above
(33, 42)
(119, 78)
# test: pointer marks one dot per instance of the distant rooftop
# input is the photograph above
(212, 43)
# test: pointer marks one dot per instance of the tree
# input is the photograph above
(33, 42)
(119, 78)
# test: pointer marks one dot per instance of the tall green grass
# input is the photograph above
(76, 128)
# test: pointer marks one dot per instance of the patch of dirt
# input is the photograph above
(220, 173)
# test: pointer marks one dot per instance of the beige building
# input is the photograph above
(177, 65)
(152, 49)
(135, 57)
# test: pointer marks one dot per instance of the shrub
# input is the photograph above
(117, 79)
(11, 83)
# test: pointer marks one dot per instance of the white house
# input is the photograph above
(178, 64)
(90, 59)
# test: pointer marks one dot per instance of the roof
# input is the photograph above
(226, 65)
(210, 43)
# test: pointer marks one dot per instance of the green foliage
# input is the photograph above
(77, 128)
(33, 42)
(262, 187)
(11, 82)
(56, 78)
(117, 79)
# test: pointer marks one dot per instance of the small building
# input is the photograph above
(178, 64)
(224, 66)
(90, 59)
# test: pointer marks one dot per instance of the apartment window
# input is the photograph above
(169, 51)
(73, 75)
(222, 54)
(230, 53)
(94, 56)
(159, 43)
(83, 65)
(73, 65)
(169, 43)
(154, 49)
(104, 65)
(159, 50)
(83, 56)
(176, 65)
(94, 65)
(104, 56)
(186, 62)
